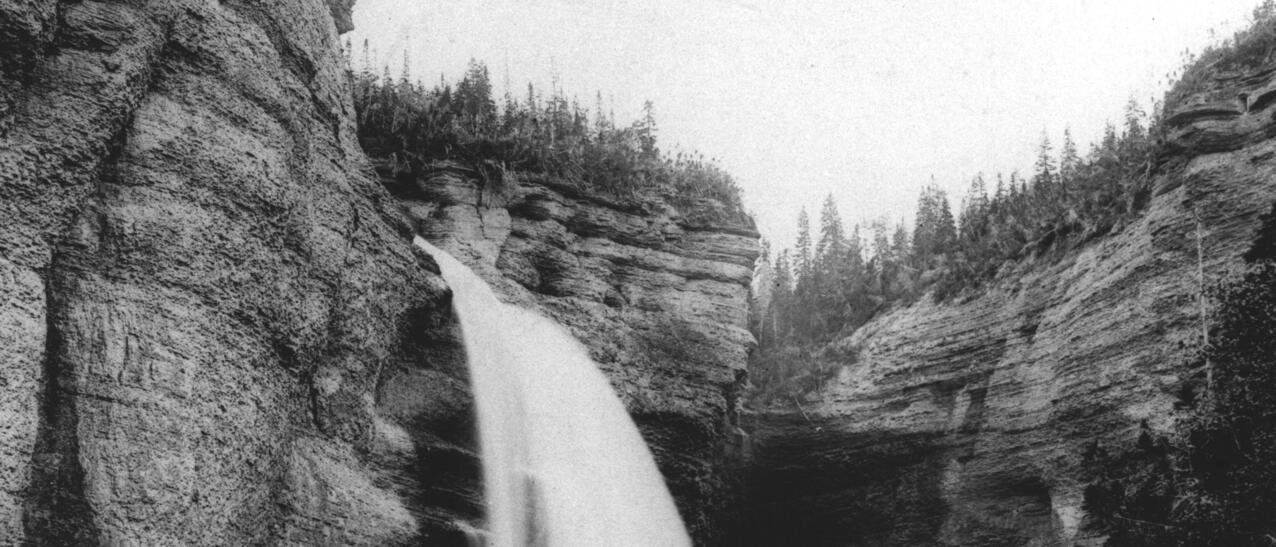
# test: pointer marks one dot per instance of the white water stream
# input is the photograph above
(563, 463)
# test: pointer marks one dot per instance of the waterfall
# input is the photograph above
(563, 463)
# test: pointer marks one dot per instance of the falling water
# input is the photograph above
(563, 463)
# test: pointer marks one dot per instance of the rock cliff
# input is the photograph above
(965, 423)
(214, 329)
(655, 285)
(202, 287)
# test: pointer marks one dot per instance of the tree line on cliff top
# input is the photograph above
(834, 279)
(1206, 480)
(536, 133)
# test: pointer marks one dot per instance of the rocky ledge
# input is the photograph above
(965, 423)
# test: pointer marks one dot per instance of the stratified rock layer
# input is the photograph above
(965, 423)
(202, 294)
(657, 291)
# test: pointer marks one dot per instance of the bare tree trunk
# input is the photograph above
(1200, 298)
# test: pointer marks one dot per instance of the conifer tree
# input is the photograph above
(945, 242)
(802, 262)
(973, 218)
(1069, 163)
(783, 273)
(646, 131)
(924, 227)
(882, 252)
(855, 248)
(600, 117)
(1045, 170)
(405, 72)
(902, 275)
(1134, 130)
(946, 229)
(367, 59)
(1109, 145)
(781, 296)
(900, 242)
(828, 248)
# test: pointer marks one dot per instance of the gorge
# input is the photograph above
(216, 328)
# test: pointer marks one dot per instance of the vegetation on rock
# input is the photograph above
(541, 134)
(848, 277)
(821, 292)
(1207, 481)
(1211, 482)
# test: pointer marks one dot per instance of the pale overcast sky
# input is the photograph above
(866, 99)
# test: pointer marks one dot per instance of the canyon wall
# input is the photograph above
(214, 329)
(203, 288)
(967, 422)
(655, 285)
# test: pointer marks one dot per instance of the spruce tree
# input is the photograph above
(1134, 130)
(646, 131)
(1043, 180)
(945, 225)
(831, 238)
(1069, 163)
(802, 262)
(973, 217)
(781, 296)
(924, 224)
(882, 253)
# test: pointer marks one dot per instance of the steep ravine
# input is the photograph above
(965, 423)
(656, 287)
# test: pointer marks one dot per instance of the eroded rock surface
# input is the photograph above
(658, 293)
(966, 423)
(203, 293)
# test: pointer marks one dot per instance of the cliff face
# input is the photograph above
(214, 328)
(202, 290)
(966, 423)
(657, 291)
